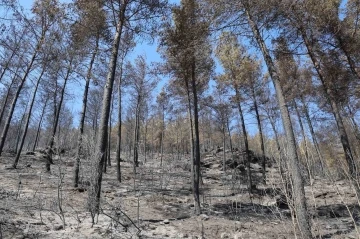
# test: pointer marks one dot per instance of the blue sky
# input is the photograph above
(144, 48)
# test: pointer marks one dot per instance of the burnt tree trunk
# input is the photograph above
(196, 189)
(99, 159)
(246, 142)
(16, 96)
(313, 136)
(83, 114)
(329, 94)
(118, 129)
(307, 160)
(49, 151)
(28, 119)
(262, 145)
(302, 216)
(39, 125)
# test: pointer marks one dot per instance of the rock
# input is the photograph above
(215, 165)
(166, 221)
(255, 166)
(241, 167)
(58, 227)
(182, 216)
(182, 235)
(277, 201)
(81, 190)
(239, 235)
(204, 217)
(206, 164)
(218, 213)
(231, 163)
(224, 235)
(152, 227)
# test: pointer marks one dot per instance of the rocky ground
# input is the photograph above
(158, 203)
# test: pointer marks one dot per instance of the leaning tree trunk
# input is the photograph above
(105, 156)
(192, 147)
(353, 123)
(281, 161)
(196, 189)
(136, 135)
(99, 159)
(297, 180)
(28, 119)
(7, 96)
(14, 52)
(16, 96)
(344, 49)
(307, 160)
(109, 135)
(229, 133)
(145, 141)
(336, 112)
(39, 126)
(246, 142)
(224, 144)
(262, 145)
(162, 136)
(118, 133)
(83, 114)
(19, 129)
(312, 132)
(272, 123)
(49, 151)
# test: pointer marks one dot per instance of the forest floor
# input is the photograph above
(36, 204)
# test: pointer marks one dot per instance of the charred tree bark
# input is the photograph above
(109, 135)
(99, 160)
(19, 129)
(308, 166)
(196, 189)
(329, 94)
(192, 146)
(136, 135)
(145, 141)
(229, 133)
(49, 151)
(224, 144)
(16, 96)
(343, 46)
(246, 143)
(162, 135)
(312, 132)
(118, 133)
(8, 93)
(262, 145)
(302, 216)
(10, 60)
(40, 122)
(82, 116)
(28, 119)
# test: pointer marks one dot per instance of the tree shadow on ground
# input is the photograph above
(339, 211)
